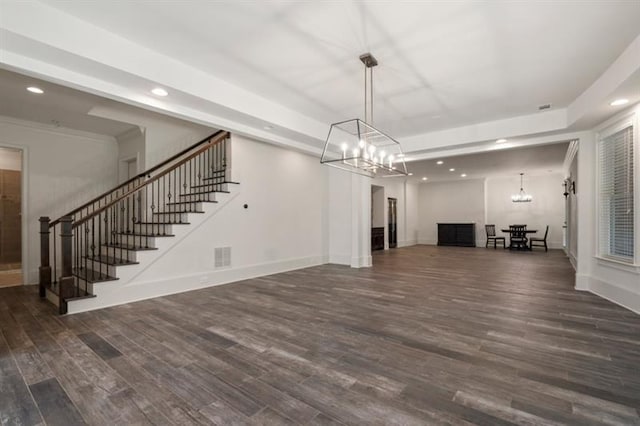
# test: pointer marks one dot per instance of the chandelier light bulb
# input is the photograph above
(361, 143)
(344, 146)
(372, 149)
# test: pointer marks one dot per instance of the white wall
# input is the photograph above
(63, 169)
(572, 216)
(617, 282)
(164, 136)
(547, 207)
(378, 204)
(283, 222)
(339, 206)
(452, 202)
(10, 159)
(130, 145)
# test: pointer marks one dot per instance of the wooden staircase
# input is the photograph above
(92, 243)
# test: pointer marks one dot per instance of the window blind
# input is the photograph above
(616, 195)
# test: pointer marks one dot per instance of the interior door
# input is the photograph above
(393, 223)
(10, 220)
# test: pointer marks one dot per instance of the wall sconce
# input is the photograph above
(569, 187)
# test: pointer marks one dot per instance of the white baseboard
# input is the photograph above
(618, 295)
(111, 293)
(582, 282)
(427, 242)
(407, 243)
(340, 259)
(361, 262)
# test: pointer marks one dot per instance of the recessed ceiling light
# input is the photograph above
(424, 178)
(159, 91)
(410, 174)
(452, 170)
(439, 162)
(463, 175)
(501, 141)
(34, 89)
(619, 102)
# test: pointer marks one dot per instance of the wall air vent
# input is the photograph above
(543, 107)
(222, 257)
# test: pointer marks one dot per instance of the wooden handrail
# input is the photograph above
(141, 175)
(213, 140)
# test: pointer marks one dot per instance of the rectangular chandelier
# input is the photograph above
(358, 147)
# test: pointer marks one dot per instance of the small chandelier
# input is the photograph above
(521, 197)
(358, 147)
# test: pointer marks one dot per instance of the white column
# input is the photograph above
(586, 202)
(360, 221)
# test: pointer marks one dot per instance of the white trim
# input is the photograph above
(340, 259)
(24, 205)
(112, 294)
(608, 128)
(55, 129)
(572, 151)
(618, 295)
(618, 264)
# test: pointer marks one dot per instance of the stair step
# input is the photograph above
(133, 234)
(76, 293)
(190, 202)
(110, 260)
(220, 183)
(205, 192)
(163, 223)
(204, 185)
(179, 211)
(91, 276)
(129, 247)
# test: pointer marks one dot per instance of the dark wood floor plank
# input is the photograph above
(54, 404)
(101, 347)
(429, 335)
(16, 403)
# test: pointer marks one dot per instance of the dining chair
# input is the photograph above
(517, 237)
(540, 242)
(491, 235)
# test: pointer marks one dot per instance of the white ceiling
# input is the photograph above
(533, 161)
(442, 64)
(59, 106)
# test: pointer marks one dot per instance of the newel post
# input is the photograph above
(66, 278)
(45, 267)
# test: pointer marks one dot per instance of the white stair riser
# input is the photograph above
(98, 266)
(183, 217)
(123, 254)
(209, 196)
(153, 228)
(136, 240)
(179, 207)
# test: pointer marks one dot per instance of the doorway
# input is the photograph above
(393, 222)
(10, 217)
(128, 168)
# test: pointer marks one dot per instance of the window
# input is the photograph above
(616, 194)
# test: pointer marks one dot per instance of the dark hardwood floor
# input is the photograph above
(427, 336)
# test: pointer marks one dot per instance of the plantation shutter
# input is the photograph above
(616, 195)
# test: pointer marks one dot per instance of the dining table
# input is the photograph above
(525, 231)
